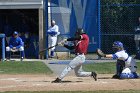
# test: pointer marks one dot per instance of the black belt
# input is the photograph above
(79, 54)
(53, 35)
(126, 58)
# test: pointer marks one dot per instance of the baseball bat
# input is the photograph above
(51, 47)
(47, 48)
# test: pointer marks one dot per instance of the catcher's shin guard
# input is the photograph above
(120, 66)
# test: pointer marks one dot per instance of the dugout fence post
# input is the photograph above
(46, 23)
(2, 36)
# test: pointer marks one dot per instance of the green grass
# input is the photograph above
(40, 68)
(24, 68)
(104, 68)
(121, 91)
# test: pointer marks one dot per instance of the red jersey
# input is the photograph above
(81, 46)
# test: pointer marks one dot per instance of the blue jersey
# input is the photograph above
(15, 42)
(53, 31)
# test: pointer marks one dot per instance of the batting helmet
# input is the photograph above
(80, 31)
(117, 44)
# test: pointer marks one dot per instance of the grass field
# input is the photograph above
(104, 68)
(123, 91)
(27, 67)
(30, 67)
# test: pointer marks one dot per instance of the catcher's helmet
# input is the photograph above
(117, 44)
(80, 31)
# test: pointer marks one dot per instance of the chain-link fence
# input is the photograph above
(118, 20)
(72, 14)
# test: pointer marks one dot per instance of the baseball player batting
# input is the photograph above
(81, 41)
(125, 66)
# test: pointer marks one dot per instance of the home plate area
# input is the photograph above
(70, 83)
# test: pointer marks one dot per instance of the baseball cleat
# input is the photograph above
(8, 59)
(94, 75)
(22, 58)
(57, 80)
(116, 76)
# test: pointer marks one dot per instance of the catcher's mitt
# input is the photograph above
(100, 53)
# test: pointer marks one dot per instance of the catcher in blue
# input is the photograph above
(125, 65)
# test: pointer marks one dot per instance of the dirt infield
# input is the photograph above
(70, 83)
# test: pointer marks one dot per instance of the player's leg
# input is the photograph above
(130, 71)
(49, 44)
(53, 43)
(74, 63)
(81, 73)
(21, 49)
(8, 52)
(63, 74)
(120, 64)
(77, 66)
(127, 74)
(133, 68)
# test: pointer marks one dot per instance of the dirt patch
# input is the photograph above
(70, 83)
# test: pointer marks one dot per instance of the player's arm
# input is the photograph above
(75, 38)
(102, 54)
(57, 30)
(49, 32)
(20, 43)
(109, 56)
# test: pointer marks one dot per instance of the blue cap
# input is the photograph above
(118, 44)
(15, 33)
